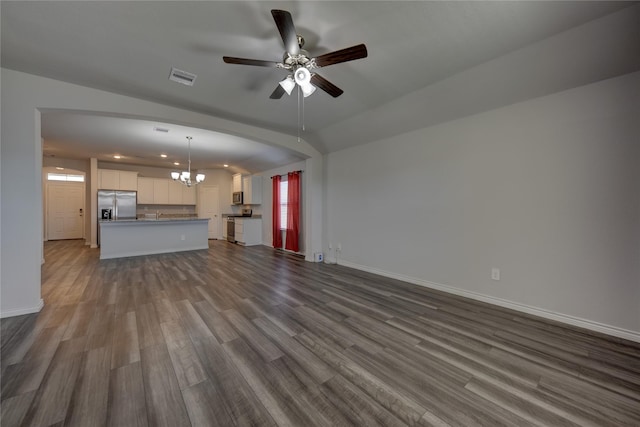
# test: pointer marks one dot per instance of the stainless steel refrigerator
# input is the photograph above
(116, 205)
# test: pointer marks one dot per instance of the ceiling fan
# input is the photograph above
(298, 61)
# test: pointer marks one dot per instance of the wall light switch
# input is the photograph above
(495, 273)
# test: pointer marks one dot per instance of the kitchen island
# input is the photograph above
(127, 238)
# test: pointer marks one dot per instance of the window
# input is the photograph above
(284, 186)
(65, 177)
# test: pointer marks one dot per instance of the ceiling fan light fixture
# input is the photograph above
(199, 178)
(288, 84)
(175, 175)
(307, 89)
(302, 76)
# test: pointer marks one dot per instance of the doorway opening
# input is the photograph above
(64, 205)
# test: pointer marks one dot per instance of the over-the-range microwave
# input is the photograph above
(237, 198)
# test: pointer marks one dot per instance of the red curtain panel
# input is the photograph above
(275, 211)
(293, 212)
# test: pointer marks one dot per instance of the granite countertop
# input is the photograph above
(143, 220)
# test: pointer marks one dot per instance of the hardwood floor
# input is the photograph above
(251, 336)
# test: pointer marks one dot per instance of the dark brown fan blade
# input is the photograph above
(326, 85)
(284, 22)
(343, 55)
(277, 93)
(243, 61)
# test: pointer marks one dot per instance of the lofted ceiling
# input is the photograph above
(428, 62)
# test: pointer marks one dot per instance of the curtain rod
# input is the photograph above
(284, 174)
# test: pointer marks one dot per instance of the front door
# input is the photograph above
(209, 207)
(65, 216)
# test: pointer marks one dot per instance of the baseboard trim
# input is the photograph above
(540, 312)
(21, 311)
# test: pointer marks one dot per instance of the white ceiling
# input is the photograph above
(428, 62)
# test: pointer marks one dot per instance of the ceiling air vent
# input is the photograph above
(182, 77)
(159, 129)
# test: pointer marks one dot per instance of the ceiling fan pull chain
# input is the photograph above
(298, 113)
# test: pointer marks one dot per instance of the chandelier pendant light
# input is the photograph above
(184, 177)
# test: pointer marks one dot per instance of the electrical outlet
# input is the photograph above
(495, 273)
(330, 246)
(182, 237)
(339, 249)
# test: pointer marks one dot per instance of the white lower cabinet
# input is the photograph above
(248, 231)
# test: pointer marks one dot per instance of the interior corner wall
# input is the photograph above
(21, 156)
(547, 190)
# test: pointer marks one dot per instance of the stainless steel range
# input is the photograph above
(231, 224)
(231, 229)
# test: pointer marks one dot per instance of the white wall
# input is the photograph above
(223, 179)
(547, 190)
(23, 97)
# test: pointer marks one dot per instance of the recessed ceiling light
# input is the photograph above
(159, 129)
(176, 163)
(164, 156)
(226, 166)
(117, 156)
(59, 168)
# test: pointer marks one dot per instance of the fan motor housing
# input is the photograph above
(302, 58)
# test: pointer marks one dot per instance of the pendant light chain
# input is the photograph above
(189, 138)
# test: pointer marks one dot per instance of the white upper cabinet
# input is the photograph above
(252, 189)
(108, 179)
(175, 192)
(128, 181)
(188, 195)
(161, 191)
(117, 180)
(237, 183)
(145, 191)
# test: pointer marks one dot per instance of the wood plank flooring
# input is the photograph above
(239, 336)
